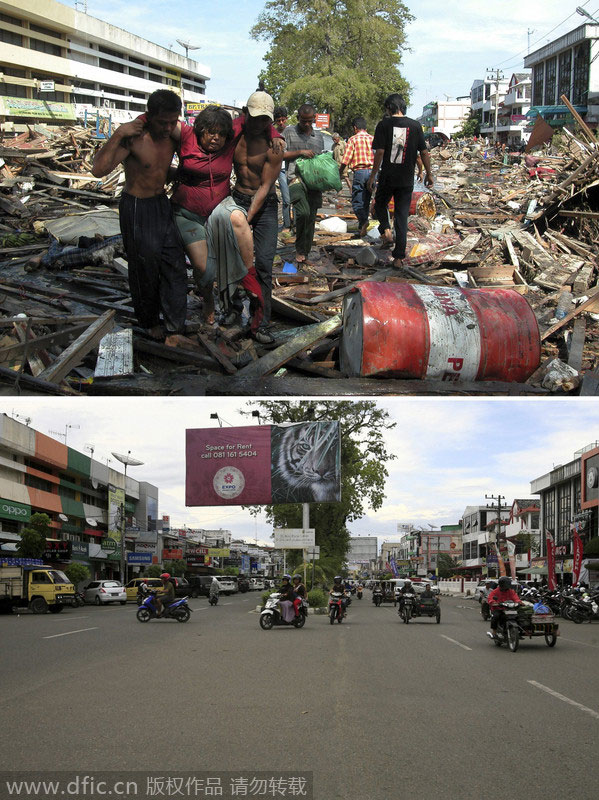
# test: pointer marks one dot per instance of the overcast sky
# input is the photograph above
(450, 452)
(452, 42)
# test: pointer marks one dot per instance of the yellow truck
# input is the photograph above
(35, 586)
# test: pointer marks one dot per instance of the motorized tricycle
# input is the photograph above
(515, 625)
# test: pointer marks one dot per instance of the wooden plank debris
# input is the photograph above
(76, 352)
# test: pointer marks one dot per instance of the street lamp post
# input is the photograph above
(128, 461)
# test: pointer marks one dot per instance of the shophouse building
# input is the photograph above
(59, 64)
(80, 495)
(568, 496)
(569, 65)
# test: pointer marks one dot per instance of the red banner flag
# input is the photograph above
(577, 553)
(551, 582)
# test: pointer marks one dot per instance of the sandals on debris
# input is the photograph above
(263, 336)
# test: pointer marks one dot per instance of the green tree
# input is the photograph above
(154, 571)
(470, 127)
(364, 455)
(340, 55)
(33, 537)
(446, 565)
(76, 573)
(176, 568)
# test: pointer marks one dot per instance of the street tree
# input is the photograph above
(33, 537)
(342, 56)
(76, 573)
(364, 456)
(470, 127)
(446, 565)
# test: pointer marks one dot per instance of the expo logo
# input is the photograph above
(228, 482)
(14, 511)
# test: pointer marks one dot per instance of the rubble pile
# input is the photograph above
(528, 223)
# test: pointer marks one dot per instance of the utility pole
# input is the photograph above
(498, 77)
(529, 32)
(499, 498)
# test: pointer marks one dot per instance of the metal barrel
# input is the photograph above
(423, 205)
(438, 333)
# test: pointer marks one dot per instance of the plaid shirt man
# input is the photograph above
(358, 153)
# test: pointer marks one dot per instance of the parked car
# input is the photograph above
(132, 587)
(199, 585)
(257, 584)
(104, 592)
(182, 587)
(228, 584)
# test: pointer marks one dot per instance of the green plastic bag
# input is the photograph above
(319, 173)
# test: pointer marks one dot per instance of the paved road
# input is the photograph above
(374, 708)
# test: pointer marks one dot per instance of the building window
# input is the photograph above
(537, 82)
(577, 508)
(581, 74)
(550, 76)
(12, 90)
(138, 73)
(8, 37)
(84, 98)
(565, 74)
(549, 510)
(44, 47)
(38, 483)
(10, 526)
(105, 64)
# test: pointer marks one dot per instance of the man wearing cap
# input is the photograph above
(302, 141)
(245, 224)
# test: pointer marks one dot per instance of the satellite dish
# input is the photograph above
(63, 517)
(128, 460)
(187, 46)
(91, 521)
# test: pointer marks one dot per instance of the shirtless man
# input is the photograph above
(251, 210)
(157, 269)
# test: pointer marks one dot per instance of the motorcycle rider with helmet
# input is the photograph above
(300, 592)
(339, 588)
(407, 588)
(502, 594)
(166, 595)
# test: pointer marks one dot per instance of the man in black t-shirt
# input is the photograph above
(398, 140)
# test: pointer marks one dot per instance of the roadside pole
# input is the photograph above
(305, 526)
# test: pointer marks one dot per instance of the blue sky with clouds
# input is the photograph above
(452, 42)
(450, 452)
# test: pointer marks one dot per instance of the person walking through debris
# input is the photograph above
(281, 116)
(245, 224)
(338, 148)
(302, 141)
(358, 158)
(206, 152)
(397, 142)
(157, 270)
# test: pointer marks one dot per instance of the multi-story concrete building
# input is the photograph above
(486, 95)
(569, 495)
(444, 116)
(568, 66)
(512, 121)
(362, 550)
(479, 531)
(80, 495)
(57, 63)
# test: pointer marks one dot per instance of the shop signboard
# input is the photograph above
(9, 509)
(79, 549)
(172, 554)
(28, 107)
(57, 550)
(139, 558)
(219, 552)
(322, 121)
(294, 538)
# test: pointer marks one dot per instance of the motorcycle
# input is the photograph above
(78, 599)
(359, 594)
(213, 599)
(377, 597)
(178, 610)
(406, 608)
(512, 627)
(336, 607)
(271, 614)
(484, 609)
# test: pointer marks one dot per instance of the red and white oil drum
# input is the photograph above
(438, 333)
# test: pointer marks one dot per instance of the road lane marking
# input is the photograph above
(584, 644)
(454, 642)
(565, 699)
(69, 619)
(68, 633)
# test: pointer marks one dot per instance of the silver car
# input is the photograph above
(103, 592)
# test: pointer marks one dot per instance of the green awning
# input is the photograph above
(552, 110)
